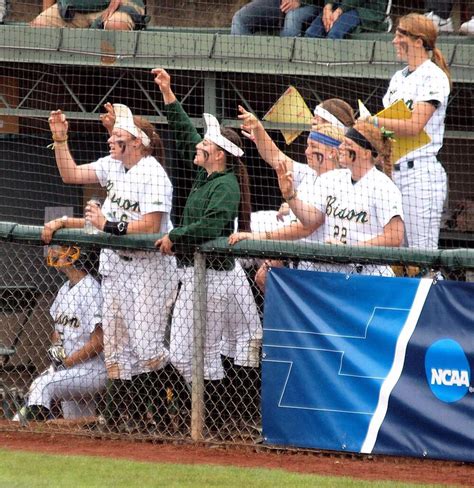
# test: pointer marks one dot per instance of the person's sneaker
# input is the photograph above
(468, 27)
(443, 25)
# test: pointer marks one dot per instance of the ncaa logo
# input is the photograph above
(447, 370)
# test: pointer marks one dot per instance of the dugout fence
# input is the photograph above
(78, 71)
(162, 406)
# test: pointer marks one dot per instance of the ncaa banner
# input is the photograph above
(369, 364)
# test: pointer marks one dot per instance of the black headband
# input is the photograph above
(404, 32)
(361, 141)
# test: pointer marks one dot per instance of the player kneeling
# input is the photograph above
(77, 370)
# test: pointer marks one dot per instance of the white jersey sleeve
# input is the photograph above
(144, 188)
(103, 168)
(303, 173)
(157, 189)
(91, 305)
(388, 200)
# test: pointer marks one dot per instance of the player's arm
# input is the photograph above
(149, 224)
(91, 348)
(185, 133)
(268, 150)
(62, 223)
(421, 114)
(291, 232)
(392, 235)
(68, 169)
(310, 216)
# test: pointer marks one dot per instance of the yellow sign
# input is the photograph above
(402, 145)
(290, 108)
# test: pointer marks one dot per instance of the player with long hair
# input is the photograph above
(424, 85)
(359, 205)
(220, 194)
(135, 283)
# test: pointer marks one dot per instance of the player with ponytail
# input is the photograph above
(424, 85)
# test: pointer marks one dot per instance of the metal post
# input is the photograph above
(199, 331)
(210, 95)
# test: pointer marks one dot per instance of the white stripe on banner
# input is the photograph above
(397, 366)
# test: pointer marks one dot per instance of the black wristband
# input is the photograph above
(116, 228)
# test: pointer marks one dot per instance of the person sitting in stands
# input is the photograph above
(340, 19)
(289, 17)
(100, 14)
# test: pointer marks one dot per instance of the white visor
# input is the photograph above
(328, 117)
(124, 121)
(213, 133)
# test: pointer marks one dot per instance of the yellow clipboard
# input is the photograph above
(290, 108)
(402, 145)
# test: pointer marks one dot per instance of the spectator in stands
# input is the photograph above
(467, 27)
(100, 14)
(3, 10)
(337, 20)
(424, 85)
(77, 370)
(290, 17)
(439, 11)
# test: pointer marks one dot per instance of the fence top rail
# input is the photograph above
(214, 51)
(448, 258)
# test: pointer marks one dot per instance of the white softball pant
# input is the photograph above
(135, 293)
(75, 387)
(242, 333)
(424, 189)
(225, 311)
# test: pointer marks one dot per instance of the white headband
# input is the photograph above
(213, 133)
(124, 121)
(328, 117)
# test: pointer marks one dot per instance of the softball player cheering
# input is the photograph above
(358, 205)
(78, 370)
(135, 284)
(424, 85)
(219, 194)
(321, 156)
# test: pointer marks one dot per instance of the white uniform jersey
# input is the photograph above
(267, 221)
(354, 211)
(427, 82)
(76, 312)
(303, 173)
(143, 189)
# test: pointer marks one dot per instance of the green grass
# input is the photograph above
(26, 470)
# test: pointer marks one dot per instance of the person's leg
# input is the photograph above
(316, 29)
(345, 24)
(424, 190)
(296, 20)
(256, 16)
(50, 18)
(181, 336)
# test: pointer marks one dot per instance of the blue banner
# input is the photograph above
(369, 364)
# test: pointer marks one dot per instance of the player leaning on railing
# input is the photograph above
(135, 283)
(220, 193)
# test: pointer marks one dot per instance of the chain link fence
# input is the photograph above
(148, 350)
